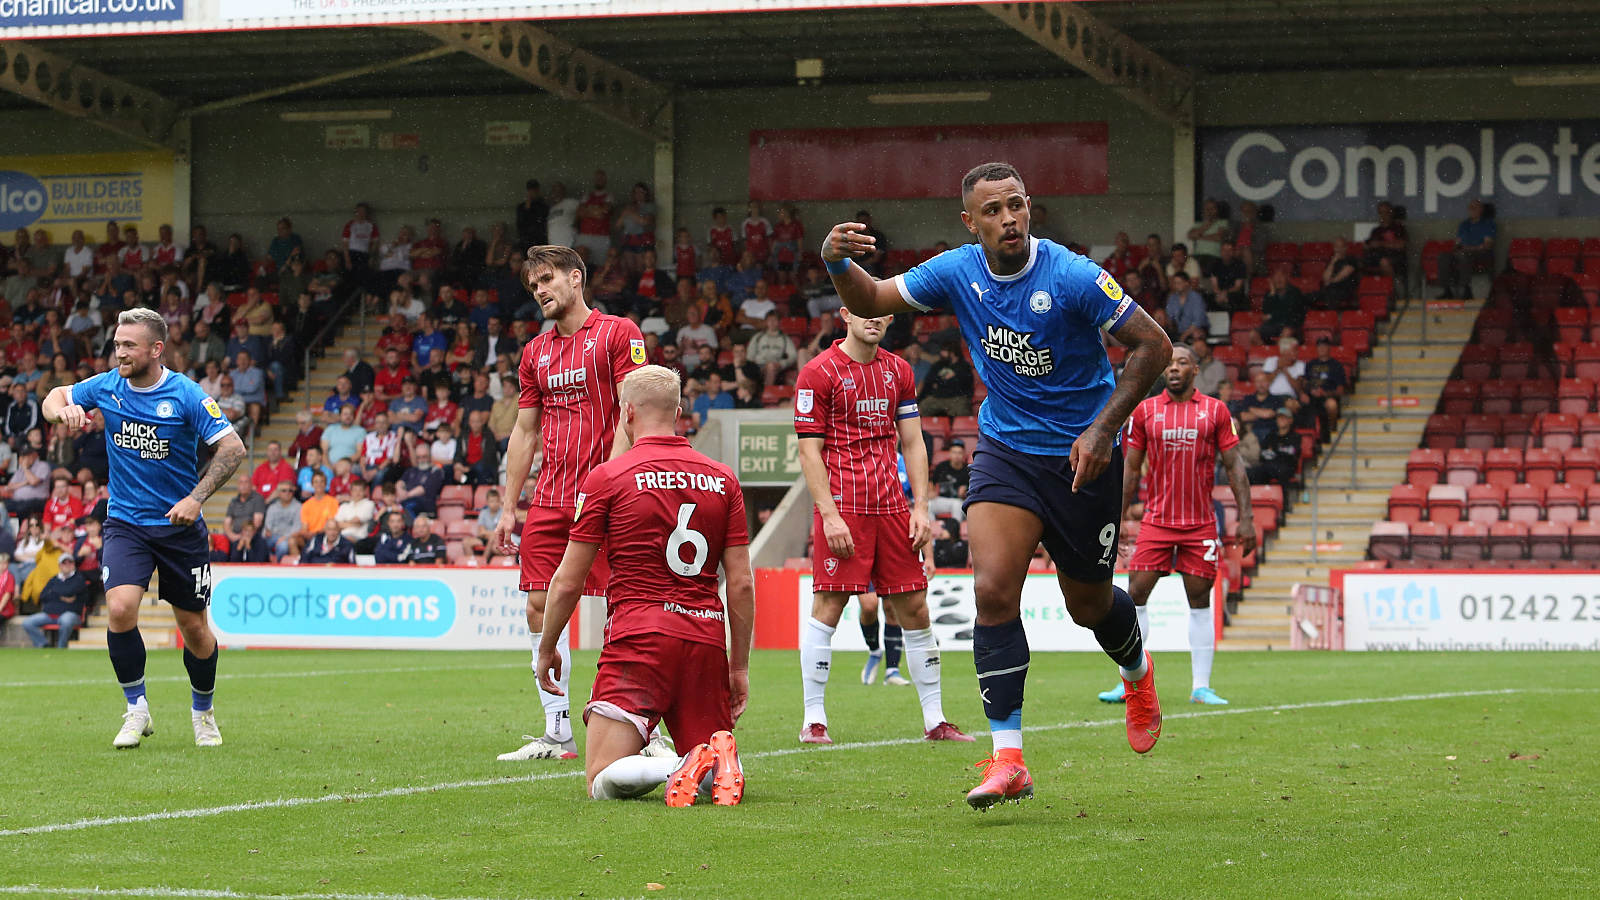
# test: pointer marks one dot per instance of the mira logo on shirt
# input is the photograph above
(570, 380)
(874, 408)
(140, 438)
(1180, 436)
(1016, 349)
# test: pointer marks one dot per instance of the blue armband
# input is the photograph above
(837, 268)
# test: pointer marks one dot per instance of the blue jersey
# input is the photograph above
(152, 437)
(1034, 337)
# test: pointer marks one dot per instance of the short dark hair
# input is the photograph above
(719, 211)
(994, 171)
(1179, 246)
(557, 257)
(532, 185)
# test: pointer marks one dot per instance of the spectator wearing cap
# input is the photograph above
(947, 391)
(63, 602)
(1280, 454)
(949, 479)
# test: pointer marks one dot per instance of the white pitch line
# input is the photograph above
(203, 812)
(201, 894)
(245, 675)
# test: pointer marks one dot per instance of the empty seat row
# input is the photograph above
(1475, 541)
(1447, 503)
(1555, 431)
(1426, 467)
(1573, 396)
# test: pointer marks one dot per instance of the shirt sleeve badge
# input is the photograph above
(636, 352)
(211, 407)
(1108, 285)
(803, 401)
(578, 511)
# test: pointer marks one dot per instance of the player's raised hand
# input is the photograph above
(73, 417)
(1244, 534)
(549, 669)
(738, 691)
(837, 534)
(921, 530)
(184, 512)
(848, 240)
(1091, 453)
(504, 530)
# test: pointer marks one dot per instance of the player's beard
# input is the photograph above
(137, 371)
(1179, 387)
(1012, 257)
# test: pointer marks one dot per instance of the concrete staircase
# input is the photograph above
(1377, 440)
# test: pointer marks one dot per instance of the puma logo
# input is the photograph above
(981, 291)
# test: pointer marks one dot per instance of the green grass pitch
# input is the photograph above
(1480, 795)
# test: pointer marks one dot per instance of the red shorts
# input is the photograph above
(1192, 550)
(654, 677)
(544, 542)
(883, 559)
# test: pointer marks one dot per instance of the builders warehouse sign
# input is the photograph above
(1527, 169)
(63, 193)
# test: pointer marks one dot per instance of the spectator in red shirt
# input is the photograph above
(593, 216)
(757, 233)
(1386, 245)
(308, 438)
(274, 470)
(442, 411)
(787, 237)
(430, 252)
(720, 236)
(62, 509)
(477, 452)
(109, 250)
(1120, 262)
(685, 256)
(390, 376)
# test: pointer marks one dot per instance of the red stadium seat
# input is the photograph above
(1562, 351)
(1584, 540)
(1517, 431)
(448, 514)
(455, 495)
(1564, 502)
(1446, 503)
(1563, 248)
(1515, 360)
(1581, 465)
(1572, 324)
(794, 326)
(1537, 395)
(1526, 254)
(1320, 251)
(1498, 396)
(1375, 306)
(1357, 318)
(964, 427)
(1375, 286)
(1494, 326)
(1524, 503)
(1484, 502)
(1259, 287)
(1574, 396)
(1459, 397)
(1547, 540)
(1442, 432)
(1540, 466)
(1468, 540)
(1430, 258)
(1281, 252)
(1425, 467)
(460, 529)
(1558, 431)
(1481, 432)
(1586, 361)
(937, 427)
(1508, 540)
(1428, 540)
(1389, 540)
(1406, 503)
(1477, 362)
(1502, 466)
(1357, 339)
(480, 497)
(1267, 499)
(1589, 283)
(770, 396)
(1463, 467)
(1589, 429)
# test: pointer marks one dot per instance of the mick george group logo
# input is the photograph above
(336, 607)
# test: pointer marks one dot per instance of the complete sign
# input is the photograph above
(769, 454)
(1430, 610)
(1337, 173)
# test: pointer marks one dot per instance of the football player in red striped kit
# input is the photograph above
(851, 403)
(1182, 431)
(567, 413)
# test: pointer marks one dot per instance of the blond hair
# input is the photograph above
(654, 388)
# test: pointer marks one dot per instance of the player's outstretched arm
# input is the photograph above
(741, 623)
(224, 462)
(862, 294)
(519, 461)
(58, 408)
(834, 529)
(1132, 470)
(1245, 533)
(1149, 352)
(915, 451)
(560, 603)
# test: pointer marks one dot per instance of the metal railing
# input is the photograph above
(358, 297)
(1351, 425)
(1388, 345)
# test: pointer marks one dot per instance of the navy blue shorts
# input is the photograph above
(180, 554)
(1080, 530)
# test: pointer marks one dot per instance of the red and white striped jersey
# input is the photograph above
(1181, 440)
(855, 408)
(573, 380)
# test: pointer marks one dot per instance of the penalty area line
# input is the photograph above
(285, 803)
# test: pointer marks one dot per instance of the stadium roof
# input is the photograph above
(868, 46)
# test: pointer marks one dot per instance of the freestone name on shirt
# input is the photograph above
(679, 481)
(1016, 349)
(141, 439)
(714, 614)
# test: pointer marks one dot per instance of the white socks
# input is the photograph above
(816, 658)
(922, 658)
(1143, 612)
(1202, 646)
(557, 709)
(632, 776)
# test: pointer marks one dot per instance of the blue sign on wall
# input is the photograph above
(338, 607)
(1339, 172)
(24, 13)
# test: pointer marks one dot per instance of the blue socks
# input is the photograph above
(893, 644)
(1118, 632)
(127, 660)
(1000, 653)
(202, 677)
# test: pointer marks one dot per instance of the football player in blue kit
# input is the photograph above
(155, 418)
(1048, 464)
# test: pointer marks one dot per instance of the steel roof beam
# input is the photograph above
(320, 81)
(84, 93)
(544, 60)
(1106, 55)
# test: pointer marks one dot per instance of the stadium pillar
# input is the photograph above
(665, 187)
(1183, 176)
(182, 180)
